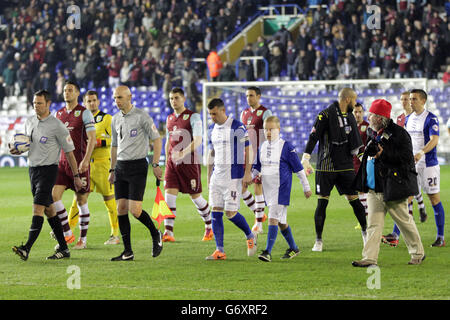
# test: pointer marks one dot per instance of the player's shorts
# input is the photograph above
(130, 179)
(343, 180)
(184, 177)
(225, 194)
(278, 212)
(65, 178)
(42, 180)
(429, 179)
(99, 177)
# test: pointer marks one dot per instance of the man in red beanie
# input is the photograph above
(388, 174)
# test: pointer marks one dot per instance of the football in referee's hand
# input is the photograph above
(21, 142)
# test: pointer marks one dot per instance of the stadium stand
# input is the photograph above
(38, 50)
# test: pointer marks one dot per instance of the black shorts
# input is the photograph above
(42, 180)
(343, 180)
(130, 179)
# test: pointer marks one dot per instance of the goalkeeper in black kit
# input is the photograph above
(336, 130)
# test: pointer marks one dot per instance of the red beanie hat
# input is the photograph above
(381, 107)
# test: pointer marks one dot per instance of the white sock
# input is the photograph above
(171, 201)
(260, 205)
(419, 199)
(203, 209)
(249, 200)
(363, 199)
(63, 217)
(84, 221)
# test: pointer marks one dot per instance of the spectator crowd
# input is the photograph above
(134, 42)
(154, 42)
(344, 40)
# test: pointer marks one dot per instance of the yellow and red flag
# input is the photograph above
(160, 210)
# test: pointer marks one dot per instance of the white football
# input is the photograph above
(21, 142)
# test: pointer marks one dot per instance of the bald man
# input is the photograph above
(132, 129)
(339, 140)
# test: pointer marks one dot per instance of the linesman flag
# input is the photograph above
(160, 210)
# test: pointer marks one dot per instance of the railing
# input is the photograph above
(255, 66)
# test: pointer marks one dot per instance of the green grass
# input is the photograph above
(181, 271)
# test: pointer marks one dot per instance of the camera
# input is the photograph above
(372, 148)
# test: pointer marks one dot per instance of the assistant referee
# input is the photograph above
(131, 130)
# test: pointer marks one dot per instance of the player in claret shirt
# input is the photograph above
(80, 123)
(100, 164)
(183, 170)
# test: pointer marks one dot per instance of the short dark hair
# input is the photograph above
(256, 89)
(90, 93)
(358, 104)
(177, 90)
(44, 93)
(216, 102)
(72, 83)
(421, 92)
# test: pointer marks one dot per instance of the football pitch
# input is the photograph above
(182, 273)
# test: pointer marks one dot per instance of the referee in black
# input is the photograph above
(132, 130)
(47, 136)
(336, 130)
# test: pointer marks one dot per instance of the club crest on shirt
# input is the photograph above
(259, 113)
(185, 117)
(77, 113)
(98, 118)
(43, 140)
(133, 133)
(363, 128)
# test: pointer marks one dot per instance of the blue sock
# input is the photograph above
(242, 224)
(439, 217)
(396, 230)
(217, 226)
(287, 234)
(271, 237)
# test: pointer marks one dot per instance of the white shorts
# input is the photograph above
(429, 179)
(225, 194)
(278, 212)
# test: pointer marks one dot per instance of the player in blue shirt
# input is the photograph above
(277, 161)
(423, 126)
(229, 170)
